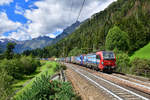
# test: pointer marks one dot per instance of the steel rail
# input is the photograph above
(99, 85)
(110, 92)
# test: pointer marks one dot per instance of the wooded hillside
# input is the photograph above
(131, 16)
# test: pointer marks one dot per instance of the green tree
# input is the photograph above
(74, 52)
(123, 63)
(0, 50)
(116, 38)
(9, 51)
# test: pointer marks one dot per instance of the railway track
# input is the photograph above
(117, 92)
(143, 82)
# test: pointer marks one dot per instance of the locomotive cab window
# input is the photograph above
(98, 57)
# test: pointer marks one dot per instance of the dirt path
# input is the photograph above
(84, 88)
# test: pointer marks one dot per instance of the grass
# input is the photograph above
(47, 66)
(143, 53)
(20, 83)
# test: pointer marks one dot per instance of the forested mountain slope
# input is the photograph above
(131, 16)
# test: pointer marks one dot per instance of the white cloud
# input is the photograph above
(19, 10)
(51, 35)
(53, 15)
(3, 2)
(20, 35)
(26, 0)
(6, 24)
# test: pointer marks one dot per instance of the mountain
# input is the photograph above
(131, 16)
(3, 43)
(67, 31)
(35, 43)
(39, 42)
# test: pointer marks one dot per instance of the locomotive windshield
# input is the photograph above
(108, 55)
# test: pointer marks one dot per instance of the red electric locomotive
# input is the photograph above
(106, 60)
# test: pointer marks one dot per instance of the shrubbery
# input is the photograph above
(14, 69)
(123, 63)
(5, 85)
(29, 64)
(18, 67)
(141, 67)
(43, 89)
(60, 67)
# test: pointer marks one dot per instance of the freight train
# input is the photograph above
(103, 60)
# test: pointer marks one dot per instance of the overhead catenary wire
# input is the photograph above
(71, 9)
(80, 10)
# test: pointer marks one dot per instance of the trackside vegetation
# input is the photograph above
(28, 78)
(135, 66)
(41, 88)
(13, 70)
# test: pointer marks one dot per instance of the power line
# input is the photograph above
(71, 8)
(56, 1)
(80, 10)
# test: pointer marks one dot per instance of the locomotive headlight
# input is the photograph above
(113, 66)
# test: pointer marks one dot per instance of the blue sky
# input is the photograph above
(27, 19)
(9, 9)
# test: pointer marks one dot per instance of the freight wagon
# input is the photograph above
(104, 60)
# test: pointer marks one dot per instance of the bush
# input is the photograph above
(141, 67)
(43, 89)
(29, 65)
(5, 85)
(18, 67)
(123, 63)
(13, 67)
(117, 38)
(63, 67)
(60, 67)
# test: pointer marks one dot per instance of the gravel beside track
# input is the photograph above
(142, 82)
(116, 91)
(83, 88)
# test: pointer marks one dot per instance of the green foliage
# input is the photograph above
(1, 50)
(29, 64)
(63, 66)
(61, 91)
(48, 67)
(75, 51)
(42, 89)
(18, 67)
(13, 67)
(117, 39)
(40, 83)
(2, 56)
(5, 85)
(9, 50)
(141, 67)
(123, 63)
(60, 67)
